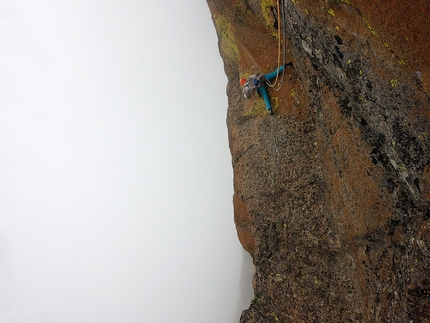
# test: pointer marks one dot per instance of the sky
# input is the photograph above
(115, 174)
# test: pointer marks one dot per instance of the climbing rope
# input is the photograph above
(279, 41)
(281, 20)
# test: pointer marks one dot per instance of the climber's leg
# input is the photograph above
(272, 75)
(266, 98)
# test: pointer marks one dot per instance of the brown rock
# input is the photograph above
(332, 192)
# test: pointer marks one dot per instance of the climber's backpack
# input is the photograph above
(252, 84)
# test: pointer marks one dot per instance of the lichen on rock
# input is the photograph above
(227, 42)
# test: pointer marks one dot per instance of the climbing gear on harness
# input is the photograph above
(252, 84)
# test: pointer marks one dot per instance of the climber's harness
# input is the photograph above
(252, 84)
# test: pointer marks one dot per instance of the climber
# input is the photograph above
(256, 83)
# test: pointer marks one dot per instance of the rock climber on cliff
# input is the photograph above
(256, 83)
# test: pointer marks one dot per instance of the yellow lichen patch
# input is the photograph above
(294, 1)
(331, 12)
(373, 31)
(259, 107)
(423, 136)
(280, 278)
(228, 45)
(394, 82)
(402, 168)
(275, 103)
(274, 316)
(346, 1)
(402, 62)
(293, 92)
(242, 6)
(266, 6)
(246, 73)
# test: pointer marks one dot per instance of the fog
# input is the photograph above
(115, 175)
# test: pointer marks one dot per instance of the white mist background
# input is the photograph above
(115, 175)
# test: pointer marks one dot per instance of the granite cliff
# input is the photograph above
(332, 192)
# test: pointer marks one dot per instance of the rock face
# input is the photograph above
(332, 192)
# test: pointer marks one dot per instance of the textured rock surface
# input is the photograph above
(332, 193)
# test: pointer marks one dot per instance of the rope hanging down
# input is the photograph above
(281, 20)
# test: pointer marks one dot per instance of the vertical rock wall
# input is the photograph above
(332, 192)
